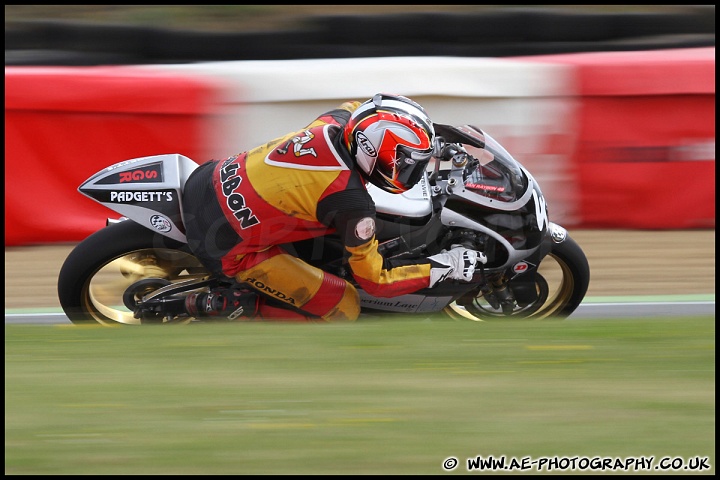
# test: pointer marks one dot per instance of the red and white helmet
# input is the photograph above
(392, 139)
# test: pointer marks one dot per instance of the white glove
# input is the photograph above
(457, 264)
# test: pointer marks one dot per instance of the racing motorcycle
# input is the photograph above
(139, 268)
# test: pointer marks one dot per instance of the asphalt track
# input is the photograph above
(632, 272)
(604, 307)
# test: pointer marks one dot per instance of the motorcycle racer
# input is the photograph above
(306, 184)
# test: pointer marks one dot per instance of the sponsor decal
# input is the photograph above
(423, 187)
(364, 143)
(138, 176)
(270, 291)
(161, 223)
(411, 303)
(150, 173)
(365, 228)
(392, 305)
(132, 197)
(520, 267)
(230, 181)
(482, 186)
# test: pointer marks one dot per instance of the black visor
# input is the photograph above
(410, 165)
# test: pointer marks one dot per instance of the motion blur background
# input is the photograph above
(612, 108)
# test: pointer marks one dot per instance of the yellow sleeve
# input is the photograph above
(350, 105)
(367, 266)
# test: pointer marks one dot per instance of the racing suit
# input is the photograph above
(303, 185)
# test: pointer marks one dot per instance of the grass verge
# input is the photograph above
(375, 397)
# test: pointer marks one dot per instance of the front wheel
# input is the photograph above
(95, 280)
(561, 283)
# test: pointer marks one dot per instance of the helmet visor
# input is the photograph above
(410, 164)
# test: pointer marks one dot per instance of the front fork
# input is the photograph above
(507, 290)
(494, 289)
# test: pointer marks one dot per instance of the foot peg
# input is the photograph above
(223, 303)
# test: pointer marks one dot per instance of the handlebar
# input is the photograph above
(455, 152)
(446, 151)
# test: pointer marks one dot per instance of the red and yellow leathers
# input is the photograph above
(299, 186)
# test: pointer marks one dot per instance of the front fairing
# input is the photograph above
(497, 175)
(499, 197)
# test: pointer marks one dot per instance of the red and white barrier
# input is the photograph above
(645, 155)
(64, 124)
(616, 140)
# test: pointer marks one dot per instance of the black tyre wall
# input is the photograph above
(97, 250)
(574, 257)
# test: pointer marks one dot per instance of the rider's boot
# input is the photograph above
(240, 304)
(228, 303)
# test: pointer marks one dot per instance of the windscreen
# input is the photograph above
(497, 175)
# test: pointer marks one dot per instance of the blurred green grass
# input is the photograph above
(393, 396)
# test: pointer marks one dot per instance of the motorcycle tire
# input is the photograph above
(561, 283)
(99, 272)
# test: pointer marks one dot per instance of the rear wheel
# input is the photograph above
(561, 283)
(113, 268)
